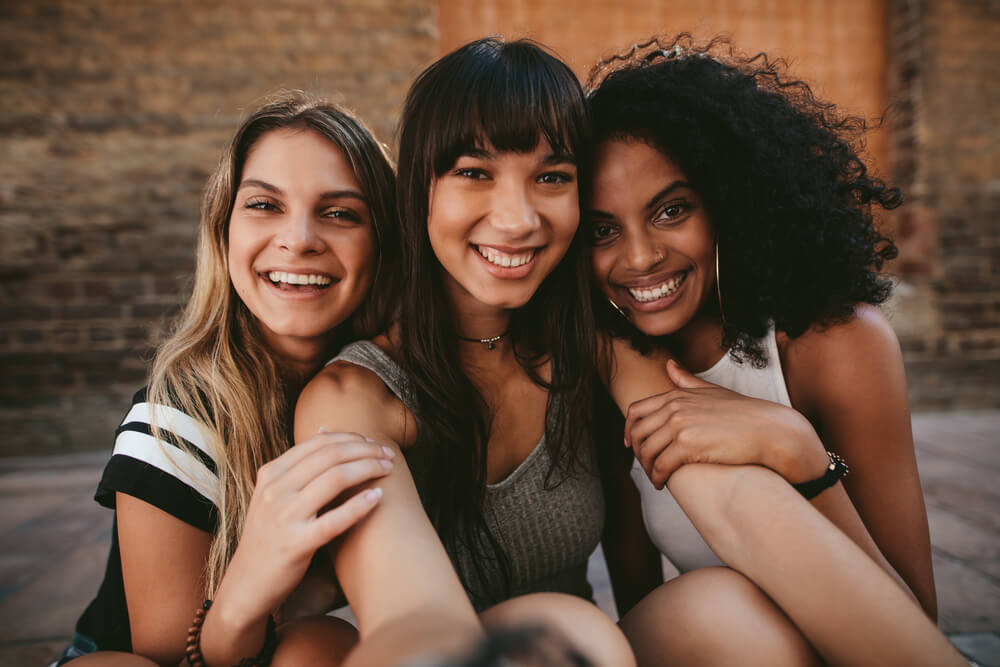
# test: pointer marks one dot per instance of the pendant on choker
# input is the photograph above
(490, 342)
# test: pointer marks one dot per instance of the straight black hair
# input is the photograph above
(507, 96)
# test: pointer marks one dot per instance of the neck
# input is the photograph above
(299, 359)
(698, 345)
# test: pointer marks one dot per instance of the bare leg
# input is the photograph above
(426, 637)
(583, 624)
(713, 616)
(112, 659)
(314, 640)
(847, 607)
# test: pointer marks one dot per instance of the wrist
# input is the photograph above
(231, 632)
(798, 455)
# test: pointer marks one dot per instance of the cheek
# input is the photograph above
(600, 269)
(360, 257)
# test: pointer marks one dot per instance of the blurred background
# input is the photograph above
(114, 112)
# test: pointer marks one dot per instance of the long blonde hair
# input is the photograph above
(215, 365)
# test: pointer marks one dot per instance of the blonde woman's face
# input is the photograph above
(301, 241)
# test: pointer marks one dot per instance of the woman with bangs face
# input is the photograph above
(483, 382)
(731, 229)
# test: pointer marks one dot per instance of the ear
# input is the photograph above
(683, 378)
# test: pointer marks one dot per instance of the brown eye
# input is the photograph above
(602, 232)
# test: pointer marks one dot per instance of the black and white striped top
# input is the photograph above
(181, 481)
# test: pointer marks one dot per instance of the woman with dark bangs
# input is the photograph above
(731, 226)
(484, 381)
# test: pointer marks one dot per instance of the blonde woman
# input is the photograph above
(211, 500)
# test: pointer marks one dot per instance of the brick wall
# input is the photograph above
(113, 114)
(945, 154)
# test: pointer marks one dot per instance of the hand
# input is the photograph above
(699, 422)
(292, 514)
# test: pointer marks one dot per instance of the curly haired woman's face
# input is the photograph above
(301, 240)
(653, 246)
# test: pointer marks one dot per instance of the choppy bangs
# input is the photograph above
(507, 96)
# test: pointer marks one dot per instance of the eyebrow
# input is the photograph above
(676, 185)
(332, 194)
(548, 160)
(653, 201)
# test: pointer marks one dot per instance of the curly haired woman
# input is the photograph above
(732, 230)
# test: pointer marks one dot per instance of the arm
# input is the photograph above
(294, 511)
(632, 559)
(860, 410)
(391, 565)
(683, 425)
(162, 561)
(845, 605)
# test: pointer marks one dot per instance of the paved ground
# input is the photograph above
(54, 540)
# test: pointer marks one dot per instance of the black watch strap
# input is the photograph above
(834, 472)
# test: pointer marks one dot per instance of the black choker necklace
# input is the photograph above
(490, 342)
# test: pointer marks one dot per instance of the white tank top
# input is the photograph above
(667, 525)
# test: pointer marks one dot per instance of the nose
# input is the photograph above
(641, 251)
(299, 234)
(513, 211)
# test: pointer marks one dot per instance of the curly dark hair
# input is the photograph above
(779, 172)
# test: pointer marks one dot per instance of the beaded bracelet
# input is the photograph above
(193, 648)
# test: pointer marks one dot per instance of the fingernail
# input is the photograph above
(373, 495)
(385, 463)
(323, 429)
(388, 451)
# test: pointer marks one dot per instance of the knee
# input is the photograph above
(714, 616)
(314, 640)
(580, 623)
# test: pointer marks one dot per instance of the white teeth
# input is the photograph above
(503, 259)
(298, 278)
(663, 289)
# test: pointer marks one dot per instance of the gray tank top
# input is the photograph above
(547, 533)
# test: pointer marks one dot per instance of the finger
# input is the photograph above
(331, 455)
(653, 447)
(683, 378)
(643, 408)
(642, 429)
(278, 466)
(665, 464)
(335, 522)
(325, 488)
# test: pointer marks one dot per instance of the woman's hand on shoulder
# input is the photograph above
(301, 501)
(700, 422)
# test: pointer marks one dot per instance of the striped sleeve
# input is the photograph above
(177, 477)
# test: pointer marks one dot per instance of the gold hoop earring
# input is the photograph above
(718, 285)
(620, 310)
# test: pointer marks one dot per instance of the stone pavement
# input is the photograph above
(54, 540)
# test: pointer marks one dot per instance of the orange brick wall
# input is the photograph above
(838, 46)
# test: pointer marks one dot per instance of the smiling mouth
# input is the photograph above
(656, 292)
(285, 280)
(503, 259)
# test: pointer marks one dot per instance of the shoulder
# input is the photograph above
(844, 361)
(345, 396)
(166, 458)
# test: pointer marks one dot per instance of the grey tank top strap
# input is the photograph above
(368, 355)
